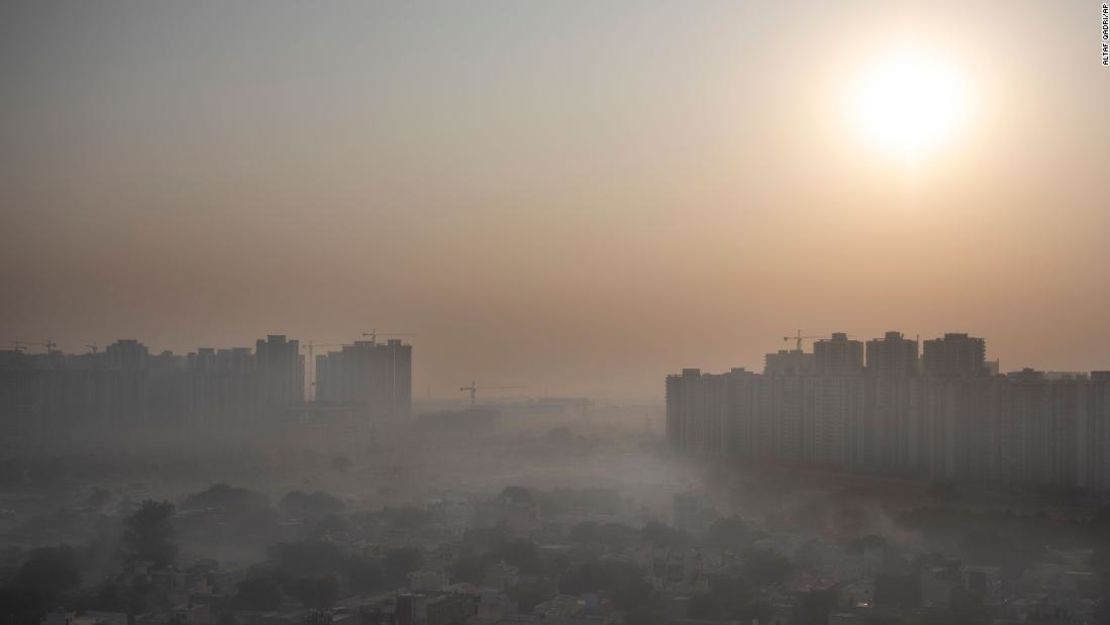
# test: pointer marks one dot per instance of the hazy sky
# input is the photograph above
(572, 196)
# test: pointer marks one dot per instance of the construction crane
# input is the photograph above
(49, 345)
(311, 347)
(473, 388)
(798, 338)
(373, 334)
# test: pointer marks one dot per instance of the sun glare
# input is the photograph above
(909, 104)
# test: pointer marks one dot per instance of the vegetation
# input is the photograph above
(148, 534)
(46, 576)
(311, 505)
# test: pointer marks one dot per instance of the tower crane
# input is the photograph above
(311, 366)
(311, 347)
(798, 339)
(473, 388)
(49, 344)
(373, 334)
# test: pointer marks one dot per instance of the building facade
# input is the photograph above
(377, 376)
(951, 421)
(55, 396)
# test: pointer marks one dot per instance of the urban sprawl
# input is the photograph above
(944, 415)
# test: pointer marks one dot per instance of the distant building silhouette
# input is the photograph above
(127, 354)
(280, 370)
(955, 355)
(46, 397)
(792, 362)
(952, 421)
(838, 355)
(892, 356)
(378, 375)
(224, 385)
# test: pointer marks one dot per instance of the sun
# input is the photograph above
(909, 104)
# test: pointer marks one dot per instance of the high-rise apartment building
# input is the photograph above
(376, 375)
(892, 356)
(954, 423)
(838, 355)
(955, 355)
(280, 373)
(792, 362)
(57, 396)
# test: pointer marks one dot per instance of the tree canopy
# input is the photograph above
(148, 533)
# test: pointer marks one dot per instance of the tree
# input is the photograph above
(623, 581)
(766, 568)
(863, 543)
(318, 593)
(46, 576)
(704, 607)
(662, 535)
(50, 571)
(808, 555)
(614, 536)
(560, 436)
(98, 498)
(814, 606)
(523, 554)
(517, 495)
(730, 597)
(967, 608)
(148, 533)
(729, 533)
(363, 575)
(399, 563)
(260, 592)
(529, 594)
(897, 590)
(115, 597)
(311, 505)
(306, 557)
(1102, 610)
(1100, 561)
(466, 568)
(650, 614)
(988, 547)
(330, 524)
(406, 518)
(234, 500)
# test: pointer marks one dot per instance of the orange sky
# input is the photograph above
(578, 197)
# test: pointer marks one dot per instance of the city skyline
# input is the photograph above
(946, 414)
(310, 354)
(838, 353)
(573, 198)
(127, 389)
(634, 312)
